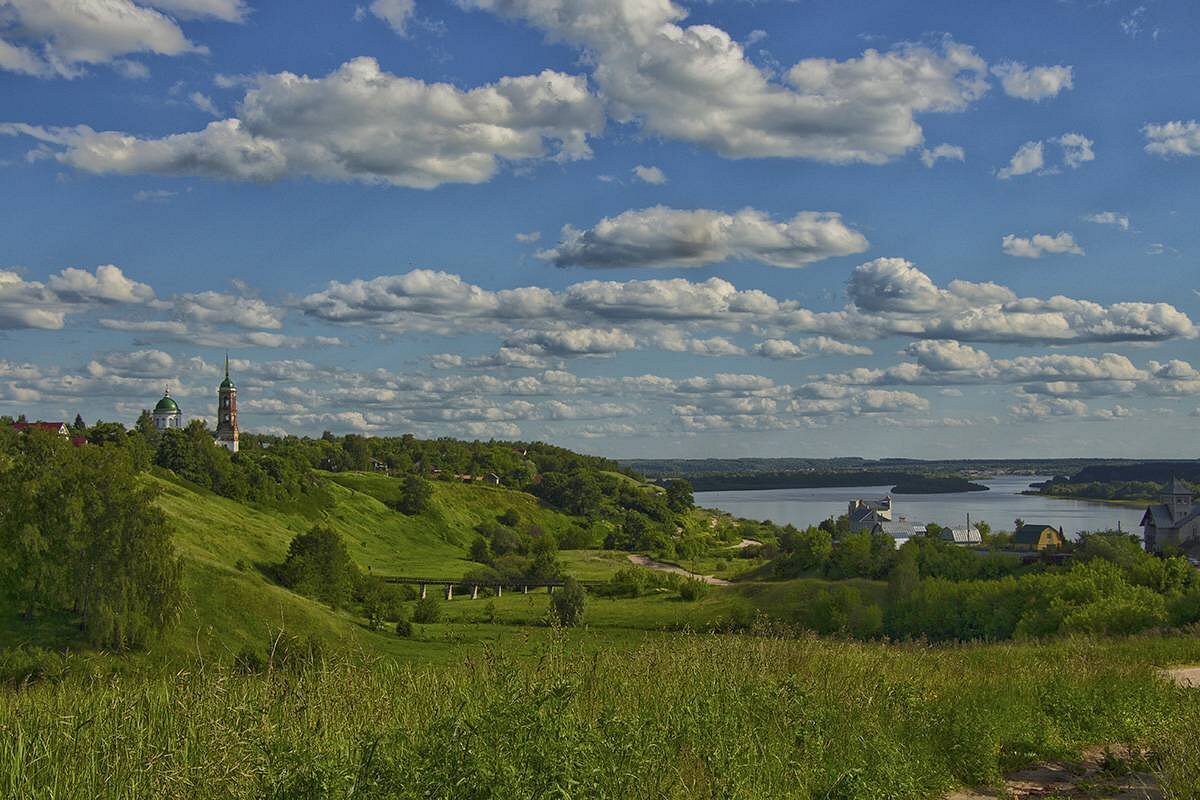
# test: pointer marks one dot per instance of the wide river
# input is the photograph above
(998, 507)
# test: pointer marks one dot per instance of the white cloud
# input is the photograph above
(106, 284)
(1171, 139)
(1040, 244)
(661, 236)
(358, 123)
(217, 308)
(1030, 157)
(950, 152)
(807, 348)
(576, 341)
(903, 300)
(395, 13)
(48, 38)
(1109, 218)
(652, 175)
(695, 83)
(1033, 83)
(1077, 149)
(227, 10)
(529, 238)
(204, 103)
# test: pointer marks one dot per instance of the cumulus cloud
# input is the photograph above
(358, 123)
(949, 152)
(904, 300)
(807, 348)
(218, 308)
(395, 13)
(106, 284)
(528, 238)
(32, 304)
(695, 83)
(1040, 244)
(61, 38)
(1109, 218)
(652, 175)
(661, 236)
(1076, 150)
(1030, 157)
(1172, 139)
(576, 341)
(1033, 83)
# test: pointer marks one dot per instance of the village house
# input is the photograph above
(1173, 524)
(965, 537)
(1038, 537)
(60, 428)
(866, 514)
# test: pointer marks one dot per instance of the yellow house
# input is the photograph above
(1039, 537)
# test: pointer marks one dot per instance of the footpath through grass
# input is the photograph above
(676, 716)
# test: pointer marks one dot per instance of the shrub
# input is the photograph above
(404, 628)
(510, 518)
(567, 603)
(318, 565)
(415, 493)
(693, 589)
(427, 611)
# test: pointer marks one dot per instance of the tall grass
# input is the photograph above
(690, 717)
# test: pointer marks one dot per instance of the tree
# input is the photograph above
(481, 551)
(427, 611)
(679, 495)
(79, 427)
(415, 493)
(79, 532)
(566, 605)
(318, 565)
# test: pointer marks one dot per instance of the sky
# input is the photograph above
(637, 228)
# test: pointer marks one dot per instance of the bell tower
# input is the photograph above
(227, 425)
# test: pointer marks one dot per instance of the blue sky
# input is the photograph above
(633, 228)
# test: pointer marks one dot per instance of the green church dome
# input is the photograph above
(166, 405)
(227, 383)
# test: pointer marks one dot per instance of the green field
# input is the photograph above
(652, 697)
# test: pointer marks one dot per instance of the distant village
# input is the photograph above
(1171, 525)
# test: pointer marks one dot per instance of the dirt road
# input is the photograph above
(662, 566)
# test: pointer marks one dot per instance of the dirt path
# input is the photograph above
(662, 566)
(1100, 775)
(1188, 677)
(1097, 776)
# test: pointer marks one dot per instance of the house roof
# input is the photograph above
(1159, 516)
(1176, 487)
(41, 426)
(898, 529)
(962, 535)
(1030, 534)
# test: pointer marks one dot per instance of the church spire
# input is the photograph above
(226, 365)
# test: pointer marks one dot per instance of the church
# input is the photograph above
(1173, 524)
(167, 413)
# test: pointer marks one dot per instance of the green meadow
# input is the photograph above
(652, 697)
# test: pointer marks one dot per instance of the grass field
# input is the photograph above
(680, 716)
(642, 701)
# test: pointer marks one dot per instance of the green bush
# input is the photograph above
(404, 628)
(427, 611)
(568, 602)
(693, 589)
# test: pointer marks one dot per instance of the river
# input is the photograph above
(998, 507)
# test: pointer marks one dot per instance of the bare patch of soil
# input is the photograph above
(1102, 774)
